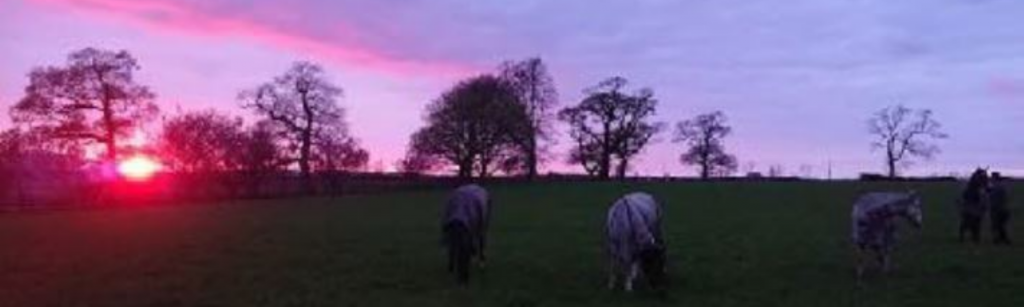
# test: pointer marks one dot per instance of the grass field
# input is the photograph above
(730, 244)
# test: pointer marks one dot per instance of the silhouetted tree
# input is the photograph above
(610, 126)
(704, 136)
(901, 131)
(337, 152)
(92, 99)
(415, 163)
(475, 125)
(11, 149)
(201, 142)
(259, 154)
(535, 89)
(304, 104)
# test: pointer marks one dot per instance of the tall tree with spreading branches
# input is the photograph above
(704, 135)
(92, 99)
(304, 103)
(903, 133)
(475, 126)
(610, 127)
(535, 88)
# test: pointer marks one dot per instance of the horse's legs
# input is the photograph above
(483, 243)
(886, 261)
(859, 255)
(999, 235)
(612, 272)
(976, 229)
(634, 270)
(963, 226)
(451, 261)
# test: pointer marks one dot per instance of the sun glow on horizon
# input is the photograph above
(138, 168)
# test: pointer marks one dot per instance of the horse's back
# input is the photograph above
(870, 216)
(634, 219)
(468, 205)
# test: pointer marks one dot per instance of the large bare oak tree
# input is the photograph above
(903, 133)
(304, 103)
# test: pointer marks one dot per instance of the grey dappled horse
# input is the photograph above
(634, 242)
(464, 228)
(874, 220)
(973, 204)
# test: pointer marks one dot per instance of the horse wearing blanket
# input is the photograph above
(634, 242)
(464, 228)
(874, 220)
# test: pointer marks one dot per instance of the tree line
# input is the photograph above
(493, 123)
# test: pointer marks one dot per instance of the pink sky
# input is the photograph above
(797, 81)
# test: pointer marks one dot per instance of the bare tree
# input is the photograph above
(610, 126)
(475, 126)
(535, 89)
(201, 142)
(304, 103)
(704, 136)
(92, 99)
(902, 133)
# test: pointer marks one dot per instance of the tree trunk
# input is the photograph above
(465, 168)
(531, 159)
(623, 167)
(705, 167)
(892, 168)
(891, 163)
(109, 133)
(605, 160)
(304, 154)
(307, 145)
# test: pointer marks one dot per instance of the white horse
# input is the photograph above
(634, 241)
(873, 222)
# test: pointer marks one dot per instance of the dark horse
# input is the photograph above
(973, 203)
(464, 228)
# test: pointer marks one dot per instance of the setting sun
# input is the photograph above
(138, 168)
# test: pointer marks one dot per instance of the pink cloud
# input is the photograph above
(187, 19)
(1007, 88)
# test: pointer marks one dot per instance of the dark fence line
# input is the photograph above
(72, 189)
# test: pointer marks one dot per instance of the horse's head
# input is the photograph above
(913, 211)
(979, 179)
(652, 262)
(460, 250)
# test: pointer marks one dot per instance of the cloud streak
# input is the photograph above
(187, 17)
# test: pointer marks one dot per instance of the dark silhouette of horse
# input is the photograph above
(973, 204)
(464, 229)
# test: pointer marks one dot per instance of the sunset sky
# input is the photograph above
(798, 78)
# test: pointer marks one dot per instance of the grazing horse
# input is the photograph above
(464, 228)
(634, 241)
(874, 224)
(973, 204)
